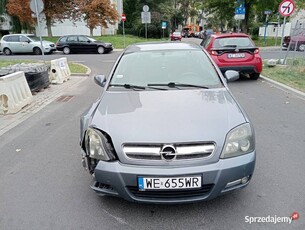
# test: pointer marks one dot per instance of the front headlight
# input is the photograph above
(239, 141)
(98, 145)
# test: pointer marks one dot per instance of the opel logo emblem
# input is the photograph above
(168, 152)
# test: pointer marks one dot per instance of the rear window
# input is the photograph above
(13, 38)
(177, 33)
(233, 42)
(62, 39)
(72, 39)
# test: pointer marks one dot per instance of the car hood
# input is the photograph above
(171, 116)
(47, 42)
(104, 43)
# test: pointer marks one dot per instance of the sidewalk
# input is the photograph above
(40, 100)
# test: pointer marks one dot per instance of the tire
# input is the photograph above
(66, 50)
(254, 76)
(37, 51)
(301, 47)
(7, 51)
(100, 49)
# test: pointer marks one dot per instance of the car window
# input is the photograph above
(63, 39)
(24, 39)
(82, 39)
(162, 67)
(34, 38)
(177, 33)
(13, 38)
(232, 41)
(72, 39)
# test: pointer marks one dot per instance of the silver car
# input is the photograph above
(166, 128)
(24, 43)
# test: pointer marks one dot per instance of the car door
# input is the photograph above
(86, 44)
(72, 42)
(25, 44)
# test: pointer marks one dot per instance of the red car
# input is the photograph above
(234, 51)
(296, 39)
(176, 36)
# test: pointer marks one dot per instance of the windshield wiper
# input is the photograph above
(129, 86)
(177, 84)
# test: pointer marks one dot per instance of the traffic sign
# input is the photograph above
(240, 10)
(145, 8)
(286, 8)
(267, 12)
(239, 17)
(163, 25)
(145, 16)
(40, 6)
(123, 17)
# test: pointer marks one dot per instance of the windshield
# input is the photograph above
(233, 42)
(91, 39)
(34, 38)
(191, 67)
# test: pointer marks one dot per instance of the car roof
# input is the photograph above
(156, 46)
(18, 34)
(227, 35)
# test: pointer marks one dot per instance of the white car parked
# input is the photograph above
(24, 43)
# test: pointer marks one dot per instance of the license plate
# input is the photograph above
(240, 55)
(164, 183)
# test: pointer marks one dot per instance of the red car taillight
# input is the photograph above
(213, 52)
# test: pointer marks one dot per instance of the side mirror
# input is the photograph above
(100, 80)
(88, 41)
(231, 75)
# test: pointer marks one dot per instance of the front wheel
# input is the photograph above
(301, 47)
(100, 49)
(37, 51)
(254, 76)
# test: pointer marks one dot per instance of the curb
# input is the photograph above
(281, 85)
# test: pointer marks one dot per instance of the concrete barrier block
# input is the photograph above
(15, 93)
(56, 74)
(65, 67)
(60, 71)
(272, 62)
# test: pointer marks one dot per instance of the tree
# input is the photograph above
(55, 10)
(97, 13)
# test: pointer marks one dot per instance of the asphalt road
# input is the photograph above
(43, 185)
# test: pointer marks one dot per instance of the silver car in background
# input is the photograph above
(24, 43)
(166, 128)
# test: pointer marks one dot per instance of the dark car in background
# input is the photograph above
(82, 44)
(234, 51)
(296, 42)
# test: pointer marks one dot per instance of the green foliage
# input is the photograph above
(292, 75)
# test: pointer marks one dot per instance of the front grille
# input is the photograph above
(170, 194)
(182, 151)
